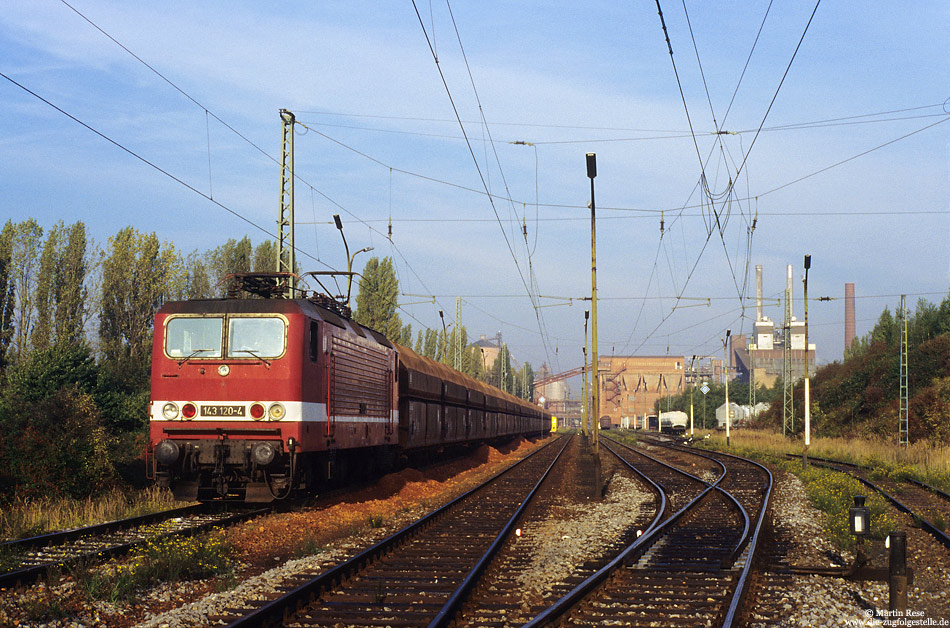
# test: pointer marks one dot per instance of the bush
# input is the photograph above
(55, 447)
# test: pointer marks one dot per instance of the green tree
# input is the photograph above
(378, 298)
(405, 335)
(234, 256)
(199, 278)
(7, 294)
(500, 375)
(60, 290)
(25, 252)
(71, 292)
(265, 257)
(55, 442)
(138, 275)
(524, 382)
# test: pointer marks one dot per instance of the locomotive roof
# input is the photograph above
(272, 306)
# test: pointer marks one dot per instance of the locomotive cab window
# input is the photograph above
(256, 337)
(192, 337)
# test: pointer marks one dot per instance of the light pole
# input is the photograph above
(807, 393)
(692, 385)
(595, 392)
(725, 371)
(585, 415)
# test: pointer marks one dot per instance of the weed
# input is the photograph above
(41, 609)
(22, 518)
(376, 521)
(165, 560)
(307, 547)
(939, 522)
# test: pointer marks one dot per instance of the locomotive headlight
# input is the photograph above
(263, 454)
(223, 370)
(277, 411)
(170, 411)
(167, 452)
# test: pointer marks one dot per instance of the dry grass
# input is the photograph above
(25, 518)
(919, 460)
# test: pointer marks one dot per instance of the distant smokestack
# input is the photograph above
(848, 315)
(791, 292)
(758, 292)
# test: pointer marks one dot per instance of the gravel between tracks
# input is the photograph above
(581, 532)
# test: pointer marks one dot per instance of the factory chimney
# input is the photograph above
(758, 292)
(848, 315)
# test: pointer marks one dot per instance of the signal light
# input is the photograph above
(189, 411)
(258, 411)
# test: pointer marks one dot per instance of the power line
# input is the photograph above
(669, 133)
(448, 92)
(236, 132)
(147, 162)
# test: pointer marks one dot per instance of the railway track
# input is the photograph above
(567, 539)
(26, 560)
(691, 569)
(423, 573)
(928, 505)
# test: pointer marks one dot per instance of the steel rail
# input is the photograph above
(445, 616)
(557, 610)
(34, 572)
(743, 585)
(934, 531)
(924, 485)
(746, 524)
(65, 536)
(272, 612)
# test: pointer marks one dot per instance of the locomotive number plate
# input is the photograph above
(222, 410)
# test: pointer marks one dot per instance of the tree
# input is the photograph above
(24, 255)
(234, 256)
(7, 294)
(60, 291)
(265, 257)
(71, 291)
(378, 298)
(55, 443)
(199, 278)
(500, 375)
(138, 275)
(524, 382)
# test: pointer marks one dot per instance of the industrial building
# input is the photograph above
(764, 357)
(630, 385)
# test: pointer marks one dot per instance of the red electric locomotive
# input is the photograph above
(256, 398)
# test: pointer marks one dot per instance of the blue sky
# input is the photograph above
(850, 165)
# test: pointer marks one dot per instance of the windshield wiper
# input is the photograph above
(193, 354)
(256, 355)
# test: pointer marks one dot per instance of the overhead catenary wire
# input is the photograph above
(480, 174)
(229, 127)
(732, 178)
(149, 163)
